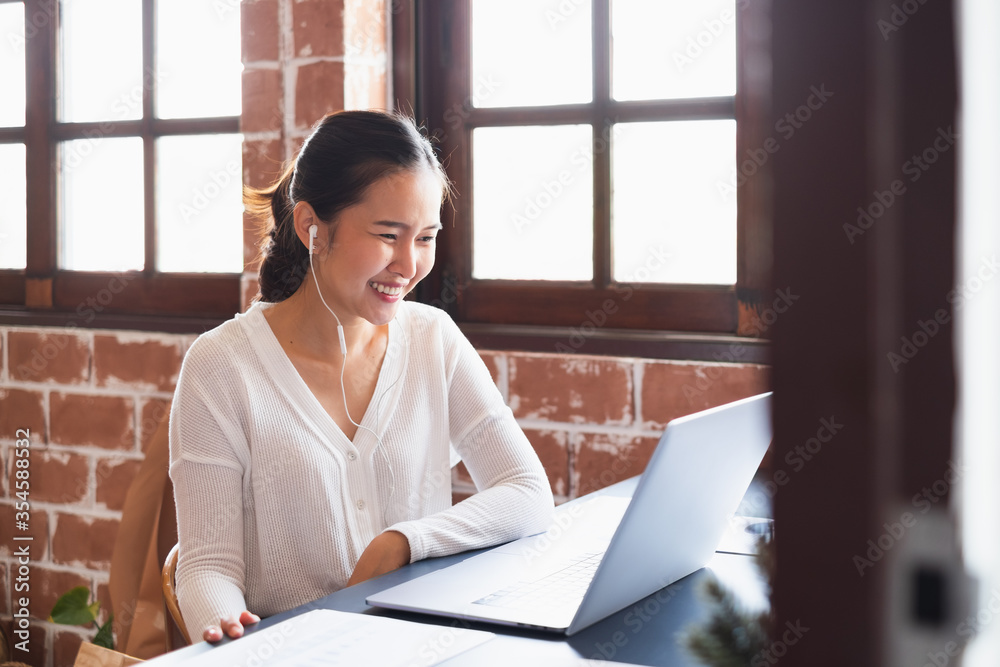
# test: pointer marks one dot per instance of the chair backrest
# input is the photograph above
(170, 593)
(147, 532)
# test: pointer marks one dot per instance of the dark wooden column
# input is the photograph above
(867, 88)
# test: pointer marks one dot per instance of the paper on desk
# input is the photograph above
(329, 638)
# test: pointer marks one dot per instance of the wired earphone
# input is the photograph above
(313, 231)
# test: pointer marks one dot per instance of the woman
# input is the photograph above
(312, 437)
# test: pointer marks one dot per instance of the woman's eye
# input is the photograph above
(391, 237)
(428, 239)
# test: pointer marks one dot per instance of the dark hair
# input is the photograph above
(345, 154)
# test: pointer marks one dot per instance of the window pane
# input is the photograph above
(526, 52)
(672, 223)
(101, 42)
(102, 205)
(665, 49)
(199, 209)
(12, 64)
(198, 58)
(533, 218)
(13, 194)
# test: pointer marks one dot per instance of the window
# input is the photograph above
(12, 150)
(123, 139)
(594, 147)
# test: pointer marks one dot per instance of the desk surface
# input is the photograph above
(646, 633)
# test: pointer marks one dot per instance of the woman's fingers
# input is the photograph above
(247, 618)
(230, 627)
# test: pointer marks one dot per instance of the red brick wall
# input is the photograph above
(91, 400)
(595, 420)
(304, 59)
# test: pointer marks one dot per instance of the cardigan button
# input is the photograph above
(361, 504)
(351, 456)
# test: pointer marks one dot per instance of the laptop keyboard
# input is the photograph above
(560, 588)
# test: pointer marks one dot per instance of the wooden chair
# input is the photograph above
(147, 532)
(170, 593)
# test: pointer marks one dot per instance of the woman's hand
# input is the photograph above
(230, 627)
(387, 552)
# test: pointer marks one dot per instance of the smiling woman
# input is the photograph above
(282, 497)
(379, 249)
(345, 155)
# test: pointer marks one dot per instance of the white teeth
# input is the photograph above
(391, 291)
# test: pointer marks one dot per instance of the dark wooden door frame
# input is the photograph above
(863, 297)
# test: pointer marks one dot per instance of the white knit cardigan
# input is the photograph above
(275, 505)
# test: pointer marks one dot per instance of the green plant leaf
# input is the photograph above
(103, 637)
(72, 608)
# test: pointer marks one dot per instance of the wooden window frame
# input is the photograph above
(673, 321)
(43, 293)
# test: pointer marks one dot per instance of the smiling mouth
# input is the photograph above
(385, 289)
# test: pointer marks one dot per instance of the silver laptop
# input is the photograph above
(604, 553)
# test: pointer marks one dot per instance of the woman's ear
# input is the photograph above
(304, 217)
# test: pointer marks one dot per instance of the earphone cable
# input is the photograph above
(343, 367)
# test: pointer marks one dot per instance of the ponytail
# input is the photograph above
(284, 259)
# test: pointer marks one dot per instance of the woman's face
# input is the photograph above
(382, 247)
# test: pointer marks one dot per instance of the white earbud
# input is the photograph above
(313, 229)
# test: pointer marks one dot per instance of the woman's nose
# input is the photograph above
(405, 261)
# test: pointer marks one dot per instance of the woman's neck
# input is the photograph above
(303, 321)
